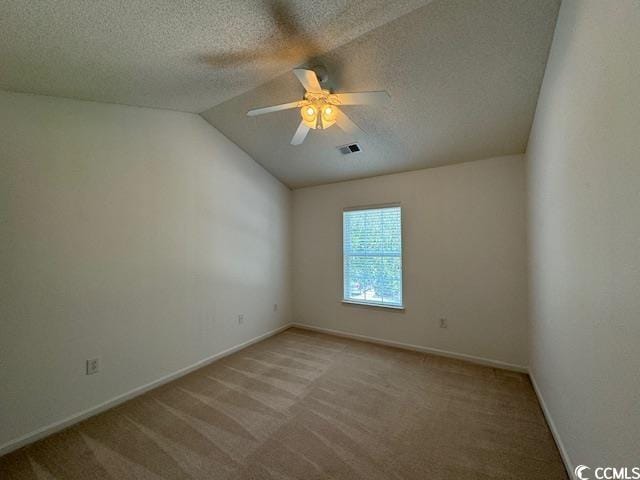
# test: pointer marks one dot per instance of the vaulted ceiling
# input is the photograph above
(463, 75)
(183, 55)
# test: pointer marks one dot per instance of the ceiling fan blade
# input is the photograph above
(274, 108)
(362, 98)
(308, 79)
(300, 134)
(346, 124)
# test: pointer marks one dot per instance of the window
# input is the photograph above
(372, 250)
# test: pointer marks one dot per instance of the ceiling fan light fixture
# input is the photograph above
(329, 113)
(309, 114)
(319, 109)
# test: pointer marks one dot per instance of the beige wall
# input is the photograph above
(584, 182)
(129, 234)
(464, 258)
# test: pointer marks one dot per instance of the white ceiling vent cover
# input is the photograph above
(349, 149)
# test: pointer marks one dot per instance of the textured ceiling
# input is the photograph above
(184, 55)
(463, 76)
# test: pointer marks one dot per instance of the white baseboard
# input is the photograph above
(77, 417)
(418, 348)
(568, 464)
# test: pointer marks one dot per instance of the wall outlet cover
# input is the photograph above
(93, 366)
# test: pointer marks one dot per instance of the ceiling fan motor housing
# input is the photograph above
(321, 73)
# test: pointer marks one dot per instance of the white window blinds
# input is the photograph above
(372, 249)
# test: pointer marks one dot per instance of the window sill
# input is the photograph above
(373, 305)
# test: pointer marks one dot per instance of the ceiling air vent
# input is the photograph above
(351, 148)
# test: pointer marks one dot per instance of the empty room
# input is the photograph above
(347, 239)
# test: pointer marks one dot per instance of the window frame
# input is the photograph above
(371, 304)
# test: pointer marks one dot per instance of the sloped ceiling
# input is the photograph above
(463, 76)
(184, 55)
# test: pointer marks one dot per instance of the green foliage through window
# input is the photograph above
(372, 249)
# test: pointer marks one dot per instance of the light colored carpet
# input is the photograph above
(304, 405)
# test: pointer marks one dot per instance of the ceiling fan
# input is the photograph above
(320, 108)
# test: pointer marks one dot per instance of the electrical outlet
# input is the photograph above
(443, 323)
(93, 366)
(275, 307)
(240, 319)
